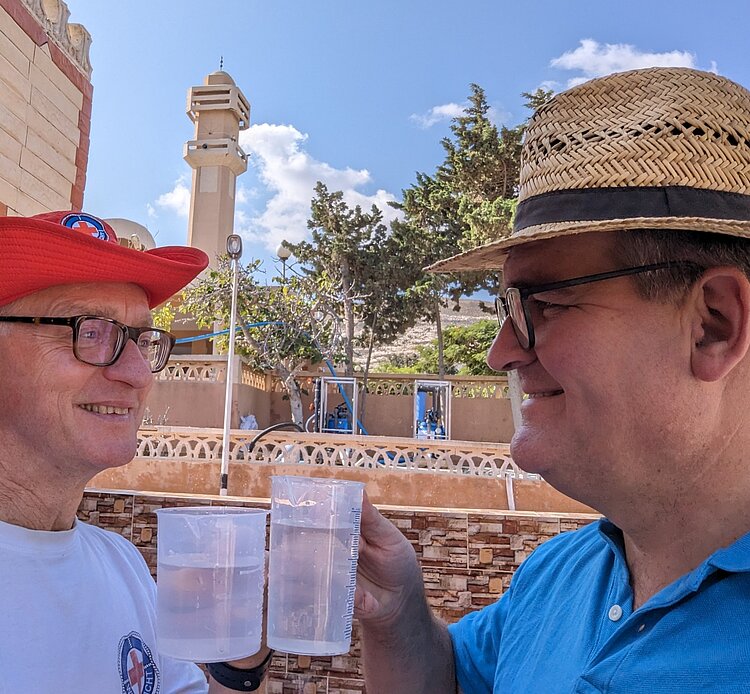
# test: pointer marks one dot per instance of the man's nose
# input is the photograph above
(131, 367)
(506, 352)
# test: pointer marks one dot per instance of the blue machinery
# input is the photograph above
(432, 410)
(432, 401)
(338, 419)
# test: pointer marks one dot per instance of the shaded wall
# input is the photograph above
(467, 560)
(201, 404)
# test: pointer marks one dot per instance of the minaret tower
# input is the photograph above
(219, 110)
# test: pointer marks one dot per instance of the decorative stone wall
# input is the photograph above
(467, 560)
(45, 110)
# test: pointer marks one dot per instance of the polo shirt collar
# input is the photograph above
(734, 558)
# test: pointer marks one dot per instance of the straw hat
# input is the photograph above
(660, 148)
(66, 247)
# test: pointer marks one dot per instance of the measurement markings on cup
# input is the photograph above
(356, 515)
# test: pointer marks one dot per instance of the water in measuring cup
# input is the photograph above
(312, 576)
(208, 613)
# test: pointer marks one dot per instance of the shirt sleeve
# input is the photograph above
(476, 646)
(180, 677)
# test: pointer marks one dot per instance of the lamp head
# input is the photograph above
(234, 246)
(283, 253)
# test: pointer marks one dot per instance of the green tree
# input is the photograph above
(366, 268)
(389, 305)
(468, 201)
(300, 324)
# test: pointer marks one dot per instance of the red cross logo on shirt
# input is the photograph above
(135, 673)
(138, 672)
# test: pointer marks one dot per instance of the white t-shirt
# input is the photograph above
(78, 610)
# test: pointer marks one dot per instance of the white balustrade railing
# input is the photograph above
(256, 379)
(334, 450)
(212, 368)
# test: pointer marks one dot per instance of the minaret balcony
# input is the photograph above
(218, 152)
(219, 98)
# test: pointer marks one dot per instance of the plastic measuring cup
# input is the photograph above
(312, 568)
(210, 579)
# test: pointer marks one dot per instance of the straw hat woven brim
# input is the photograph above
(491, 256)
(660, 148)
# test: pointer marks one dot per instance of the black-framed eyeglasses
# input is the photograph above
(100, 341)
(514, 305)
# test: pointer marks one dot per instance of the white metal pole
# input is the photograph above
(516, 397)
(229, 385)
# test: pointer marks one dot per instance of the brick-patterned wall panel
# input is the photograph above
(108, 510)
(467, 561)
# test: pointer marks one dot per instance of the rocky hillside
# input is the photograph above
(423, 334)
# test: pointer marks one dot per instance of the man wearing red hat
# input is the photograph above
(626, 316)
(77, 358)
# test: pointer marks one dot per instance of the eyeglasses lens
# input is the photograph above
(98, 341)
(500, 311)
(517, 315)
(155, 347)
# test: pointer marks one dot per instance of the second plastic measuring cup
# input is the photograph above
(210, 582)
(312, 569)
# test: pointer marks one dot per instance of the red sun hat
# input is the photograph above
(67, 247)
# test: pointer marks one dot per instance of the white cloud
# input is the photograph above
(554, 85)
(595, 60)
(438, 114)
(447, 112)
(289, 174)
(176, 200)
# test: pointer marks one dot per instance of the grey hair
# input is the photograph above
(704, 249)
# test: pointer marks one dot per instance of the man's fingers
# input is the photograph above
(373, 523)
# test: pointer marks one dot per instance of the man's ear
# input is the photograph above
(721, 322)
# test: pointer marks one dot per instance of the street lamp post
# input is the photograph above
(234, 250)
(283, 254)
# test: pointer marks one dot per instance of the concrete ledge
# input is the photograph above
(398, 488)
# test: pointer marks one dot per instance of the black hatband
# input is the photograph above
(601, 204)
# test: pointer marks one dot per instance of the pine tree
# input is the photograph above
(469, 200)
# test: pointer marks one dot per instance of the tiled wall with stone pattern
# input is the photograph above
(467, 559)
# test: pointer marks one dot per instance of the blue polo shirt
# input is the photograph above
(566, 625)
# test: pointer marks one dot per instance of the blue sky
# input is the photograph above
(357, 94)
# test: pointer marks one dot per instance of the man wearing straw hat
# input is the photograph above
(626, 315)
(77, 358)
